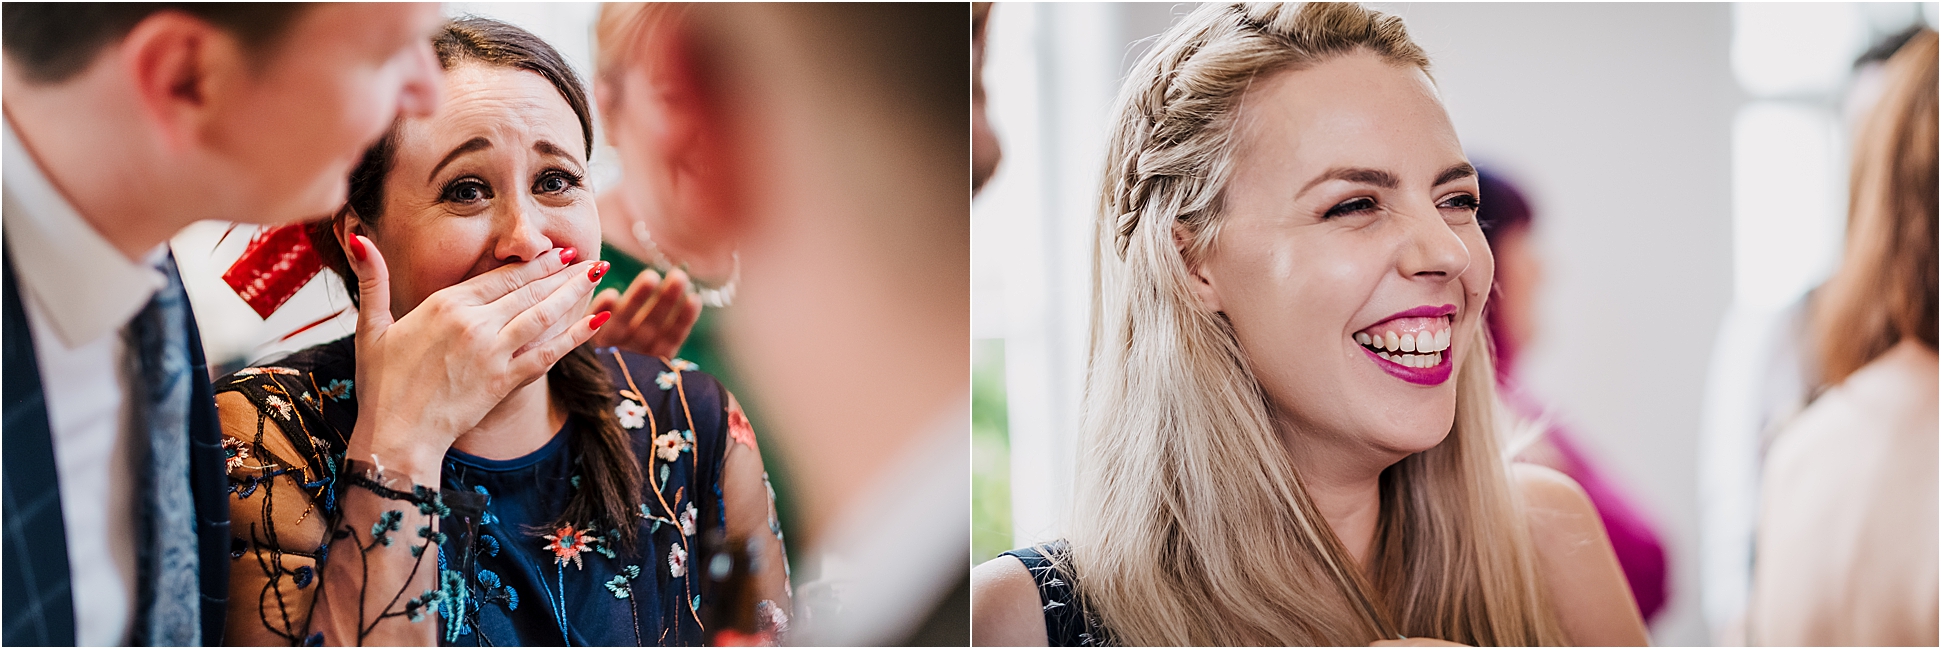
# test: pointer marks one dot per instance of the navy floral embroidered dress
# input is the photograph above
(508, 576)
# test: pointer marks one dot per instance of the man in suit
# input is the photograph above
(125, 123)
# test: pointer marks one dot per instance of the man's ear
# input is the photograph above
(691, 135)
(178, 65)
(1196, 270)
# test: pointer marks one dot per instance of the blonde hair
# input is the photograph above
(1885, 291)
(617, 30)
(1195, 527)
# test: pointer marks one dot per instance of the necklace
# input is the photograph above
(716, 296)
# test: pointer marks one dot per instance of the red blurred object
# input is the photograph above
(278, 262)
(733, 638)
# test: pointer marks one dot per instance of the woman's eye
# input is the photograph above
(1350, 206)
(1462, 202)
(555, 182)
(467, 191)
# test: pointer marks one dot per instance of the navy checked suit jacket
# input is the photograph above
(34, 585)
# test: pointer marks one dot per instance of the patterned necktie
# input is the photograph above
(168, 595)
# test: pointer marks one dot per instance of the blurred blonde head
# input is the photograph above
(1194, 527)
(1885, 290)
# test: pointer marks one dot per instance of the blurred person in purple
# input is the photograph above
(1508, 223)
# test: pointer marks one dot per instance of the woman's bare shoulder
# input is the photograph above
(1574, 555)
(1004, 605)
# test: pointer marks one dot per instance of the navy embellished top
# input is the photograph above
(508, 575)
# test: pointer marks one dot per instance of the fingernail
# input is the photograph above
(600, 319)
(567, 255)
(599, 270)
(357, 247)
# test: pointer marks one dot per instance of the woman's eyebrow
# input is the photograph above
(1362, 175)
(547, 148)
(1460, 171)
(474, 144)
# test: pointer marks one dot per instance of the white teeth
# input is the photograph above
(1407, 360)
(1423, 343)
(1416, 361)
(1385, 356)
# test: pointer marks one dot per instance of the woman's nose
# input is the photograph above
(518, 236)
(1433, 248)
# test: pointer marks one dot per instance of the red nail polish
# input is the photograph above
(566, 256)
(357, 247)
(600, 320)
(599, 270)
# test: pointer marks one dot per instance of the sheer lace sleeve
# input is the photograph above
(278, 533)
(749, 506)
(324, 550)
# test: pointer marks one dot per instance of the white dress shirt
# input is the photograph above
(80, 294)
(893, 554)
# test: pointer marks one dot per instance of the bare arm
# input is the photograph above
(1587, 587)
(1004, 606)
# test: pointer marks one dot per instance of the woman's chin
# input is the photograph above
(1409, 435)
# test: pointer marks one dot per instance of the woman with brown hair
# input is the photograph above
(1290, 431)
(472, 471)
(1847, 529)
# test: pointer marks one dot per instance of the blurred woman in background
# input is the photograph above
(1290, 433)
(1847, 529)
(1508, 222)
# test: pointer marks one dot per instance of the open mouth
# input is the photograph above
(1412, 345)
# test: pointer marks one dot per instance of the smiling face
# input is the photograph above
(494, 177)
(1347, 246)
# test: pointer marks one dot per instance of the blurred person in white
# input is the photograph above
(1763, 373)
(1847, 530)
(124, 124)
(826, 145)
(1291, 434)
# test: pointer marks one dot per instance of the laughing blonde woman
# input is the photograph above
(1290, 433)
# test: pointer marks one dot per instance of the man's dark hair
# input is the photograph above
(53, 41)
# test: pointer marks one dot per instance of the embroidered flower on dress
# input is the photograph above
(235, 454)
(280, 407)
(687, 520)
(253, 371)
(666, 380)
(338, 390)
(631, 414)
(567, 544)
(771, 619)
(738, 427)
(677, 561)
(670, 444)
(681, 365)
